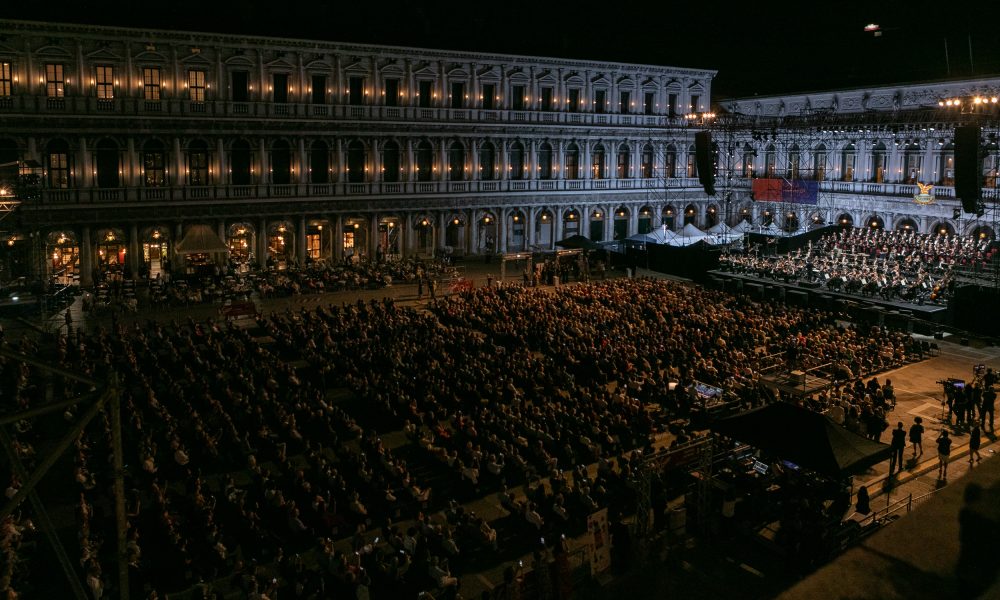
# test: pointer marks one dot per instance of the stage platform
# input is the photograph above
(795, 383)
(802, 293)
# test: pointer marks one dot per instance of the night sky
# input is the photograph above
(757, 47)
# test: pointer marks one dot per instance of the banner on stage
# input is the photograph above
(797, 191)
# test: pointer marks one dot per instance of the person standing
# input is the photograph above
(989, 399)
(944, 451)
(420, 287)
(916, 436)
(975, 440)
(898, 445)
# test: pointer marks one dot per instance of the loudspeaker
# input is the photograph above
(703, 160)
(968, 167)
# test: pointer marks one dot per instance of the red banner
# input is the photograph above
(767, 190)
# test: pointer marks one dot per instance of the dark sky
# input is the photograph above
(757, 46)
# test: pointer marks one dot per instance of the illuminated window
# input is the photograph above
(313, 245)
(6, 79)
(153, 164)
(59, 172)
(198, 163)
(597, 161)
(55, 82)
(196, 85)
(151, 83)
(104, 76)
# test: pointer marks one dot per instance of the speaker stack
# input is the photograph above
(703, 160)
(968, 168)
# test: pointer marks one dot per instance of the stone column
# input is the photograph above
(557, 226)
(176, 176)
(133, 251)
(300, 241)
(131, 178)
(529, 227)
(338, 238)
(502, 231)
(86, 259)
(265, 172)
(262, 243)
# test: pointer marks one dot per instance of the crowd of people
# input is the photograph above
(231, 282)
(895, 265)
(244, 466)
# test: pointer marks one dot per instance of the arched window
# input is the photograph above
(670, 162)
(879, 163)
(819, 163)
(319, 162)
(692, 162)
(154, 164)
(197, 167)
(425, 161)
(356, 162)
(947, 169)
(107, 162)
(770, 161)
(624, 159)
(241, 163)
(545, 161)
(487, 162)
(794, 161)
(847, 162)
(58, 158)
(572, 161)
(746, 167)
(391, 169)
(456, 161)
(647, 161)
(913, 159)
(516, 161)
(281, 162)
(597, 162)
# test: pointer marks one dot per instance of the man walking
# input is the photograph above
(917, 436)
(898, 445)
(944, 450)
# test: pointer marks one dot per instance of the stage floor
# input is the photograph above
(819, 296)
